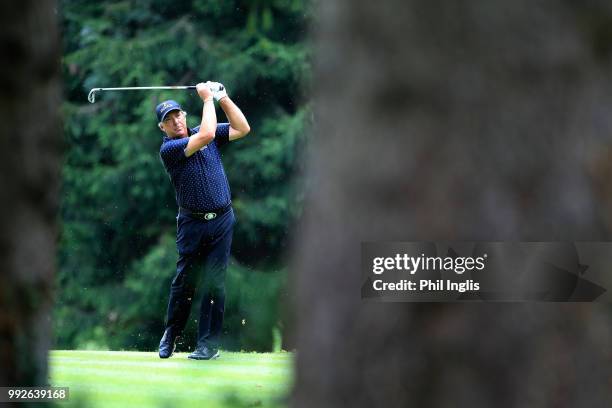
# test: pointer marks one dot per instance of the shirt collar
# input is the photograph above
(189, 133)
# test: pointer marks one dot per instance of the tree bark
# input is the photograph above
(30, 149)
(479, 120)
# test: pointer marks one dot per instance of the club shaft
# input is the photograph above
(135, 88)
(92, 94)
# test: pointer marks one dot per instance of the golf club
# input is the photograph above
(92, 94)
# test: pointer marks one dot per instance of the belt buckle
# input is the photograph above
(210, 216)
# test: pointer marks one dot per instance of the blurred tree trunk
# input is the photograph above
(30, 147)
(453, 121)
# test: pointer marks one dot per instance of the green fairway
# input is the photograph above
(136, 379)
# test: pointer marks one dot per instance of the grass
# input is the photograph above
(137, 379)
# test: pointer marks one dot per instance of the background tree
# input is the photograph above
(29, 169)
(466, 121)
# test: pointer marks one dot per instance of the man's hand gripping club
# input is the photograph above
(208, 126)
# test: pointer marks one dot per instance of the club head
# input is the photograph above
(92, 95)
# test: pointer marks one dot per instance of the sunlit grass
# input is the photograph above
(137, 379)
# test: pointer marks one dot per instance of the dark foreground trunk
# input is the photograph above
(29, 173)
(481, 120)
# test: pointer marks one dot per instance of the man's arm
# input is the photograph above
(208, 125)
(239, 127)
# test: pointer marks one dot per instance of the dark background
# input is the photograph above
(454, 121)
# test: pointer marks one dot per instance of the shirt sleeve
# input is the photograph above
(173, 151)
(222, 134)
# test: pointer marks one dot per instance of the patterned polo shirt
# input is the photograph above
(199, 180)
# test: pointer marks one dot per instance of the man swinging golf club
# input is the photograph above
(205, 218)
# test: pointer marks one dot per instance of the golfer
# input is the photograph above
(205, 217)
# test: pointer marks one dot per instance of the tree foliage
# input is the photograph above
(117, 252)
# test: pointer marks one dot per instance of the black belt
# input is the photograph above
(206, 215)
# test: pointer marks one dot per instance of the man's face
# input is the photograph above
(175, 124)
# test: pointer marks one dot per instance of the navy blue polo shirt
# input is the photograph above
(199, 180)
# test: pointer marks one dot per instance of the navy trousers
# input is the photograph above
(204, 249)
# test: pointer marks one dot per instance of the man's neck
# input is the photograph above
(179, 136)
